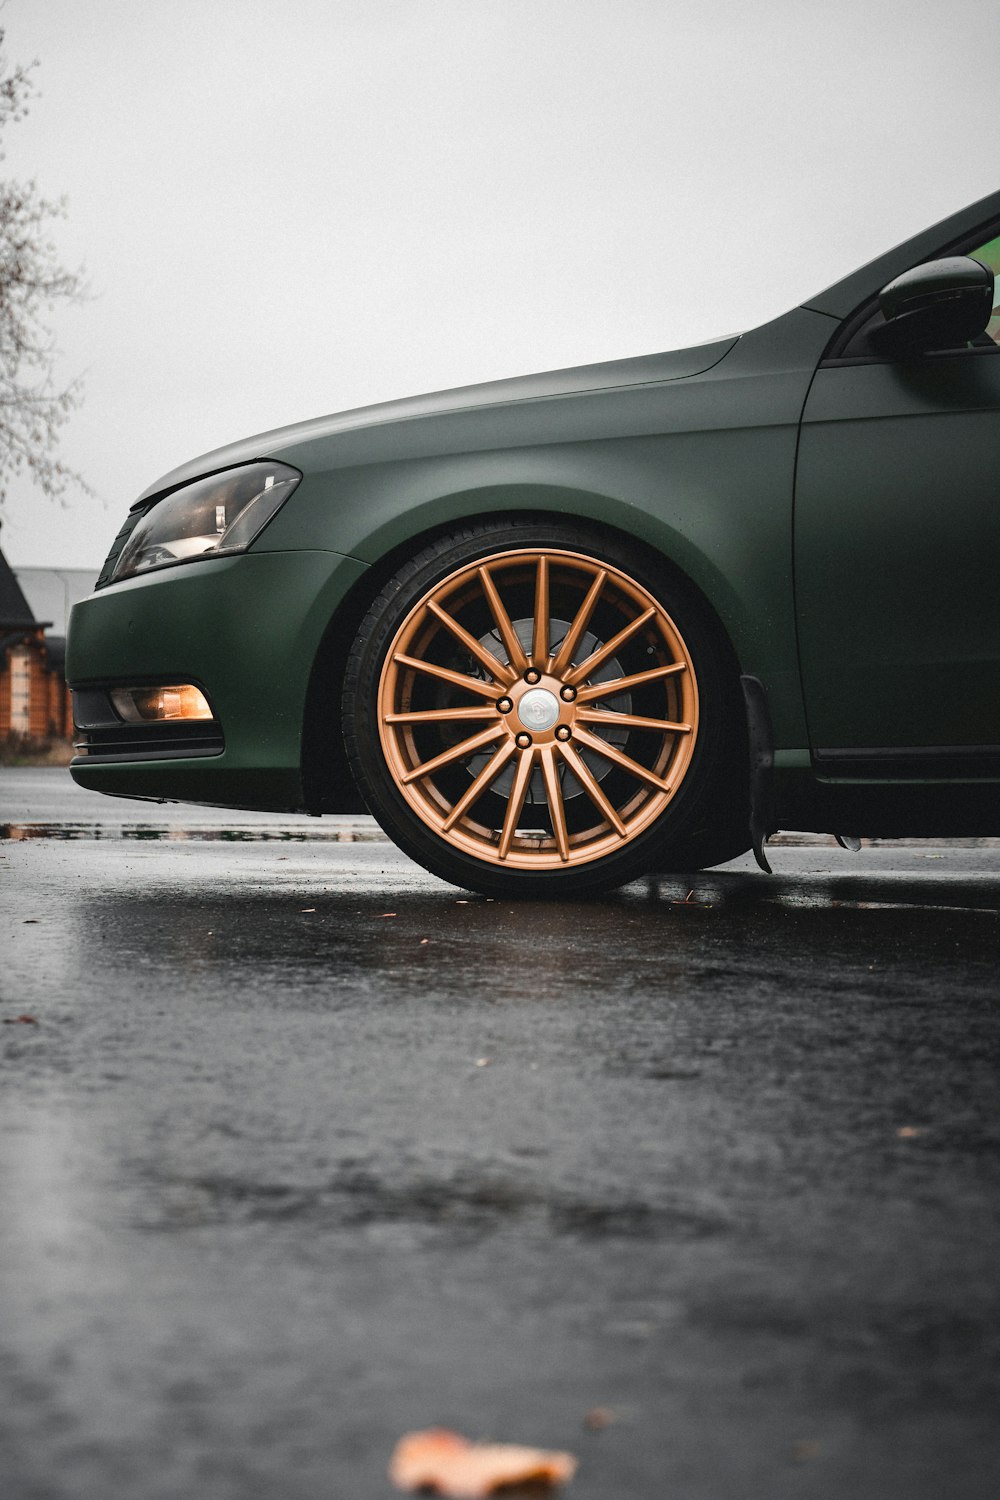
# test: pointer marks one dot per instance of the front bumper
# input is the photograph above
(245, 628)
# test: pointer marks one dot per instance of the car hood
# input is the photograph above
(647, 369)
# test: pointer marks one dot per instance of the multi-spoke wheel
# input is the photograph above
(524, 715)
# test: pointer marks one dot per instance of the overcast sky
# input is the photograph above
(290, 207)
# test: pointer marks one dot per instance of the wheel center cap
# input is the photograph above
(538, 709)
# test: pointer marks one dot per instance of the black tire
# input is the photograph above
(699, 774)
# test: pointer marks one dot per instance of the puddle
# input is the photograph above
(916, 901)
(716, 892)
(985, 911)
(173, 834)
(477, 1205)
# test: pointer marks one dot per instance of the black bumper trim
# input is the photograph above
(103, 737)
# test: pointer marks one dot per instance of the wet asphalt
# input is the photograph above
(301, 1149)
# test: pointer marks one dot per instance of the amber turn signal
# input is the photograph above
(139, 705)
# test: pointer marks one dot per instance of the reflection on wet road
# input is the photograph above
(178, 833)
(301, 1149)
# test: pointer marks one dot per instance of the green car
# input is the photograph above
(561, 631)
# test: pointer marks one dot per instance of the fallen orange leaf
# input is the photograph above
(448, 1464)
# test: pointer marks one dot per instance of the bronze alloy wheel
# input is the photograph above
(537, 709)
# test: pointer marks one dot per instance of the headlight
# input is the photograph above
(212, 517)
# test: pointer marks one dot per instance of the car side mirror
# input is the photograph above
(939, 305)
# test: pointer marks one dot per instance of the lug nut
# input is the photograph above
(563, 732)
(504, 705)
(567, 693)
(532, 675)
(523, 741)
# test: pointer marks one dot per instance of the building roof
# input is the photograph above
(29, 636)
(15, 610)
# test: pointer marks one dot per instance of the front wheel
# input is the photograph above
(527, 714)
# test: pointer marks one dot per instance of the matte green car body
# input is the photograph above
(838, 517)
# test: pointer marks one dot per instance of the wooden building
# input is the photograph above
(34, 700)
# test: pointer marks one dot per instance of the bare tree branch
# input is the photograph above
(32, 407)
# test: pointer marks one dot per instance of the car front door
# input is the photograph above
(897, 557)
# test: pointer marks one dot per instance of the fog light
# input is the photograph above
(139, 705)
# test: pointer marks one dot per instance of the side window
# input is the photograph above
(989, 255)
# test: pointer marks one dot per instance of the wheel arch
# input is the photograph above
(328, 782)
